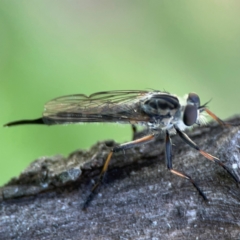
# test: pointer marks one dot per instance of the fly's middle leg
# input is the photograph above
(168, 155)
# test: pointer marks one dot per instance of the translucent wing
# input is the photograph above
(113, 106)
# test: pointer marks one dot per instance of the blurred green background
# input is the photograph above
(53, 48)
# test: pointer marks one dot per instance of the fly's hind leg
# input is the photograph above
(107, 161)
(168, 155)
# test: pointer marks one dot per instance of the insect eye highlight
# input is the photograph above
(193, 98)
(190, 115)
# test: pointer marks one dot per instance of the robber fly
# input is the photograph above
(158, 111)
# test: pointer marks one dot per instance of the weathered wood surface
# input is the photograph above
(140, 199)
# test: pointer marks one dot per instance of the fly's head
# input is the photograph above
(194, 113)
(191, 112)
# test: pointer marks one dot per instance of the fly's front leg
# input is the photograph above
(168, 155)
(192, 144)
(107, 161)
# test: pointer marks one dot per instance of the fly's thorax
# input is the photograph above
(162, 110)
(160, 123)
(160, 104)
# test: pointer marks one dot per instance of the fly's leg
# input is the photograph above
(134, 130)
(192, 144)
(107, 161)
(168, 155)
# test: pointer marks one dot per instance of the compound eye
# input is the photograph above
(194, 98)
(190, 115)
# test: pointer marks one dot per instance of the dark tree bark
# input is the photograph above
(140, 198)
